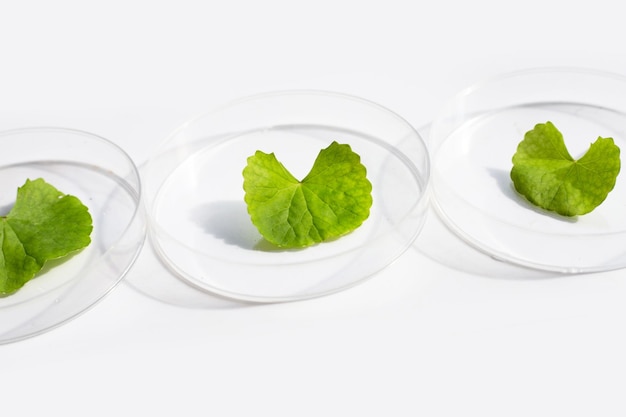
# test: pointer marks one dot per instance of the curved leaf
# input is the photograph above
(547, 175)
(332, 200)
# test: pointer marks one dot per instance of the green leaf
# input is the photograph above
(43, 224)
(547, 175)
(332, 200)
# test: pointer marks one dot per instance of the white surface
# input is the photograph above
(444, 331)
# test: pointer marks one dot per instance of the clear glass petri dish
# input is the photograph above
(198, 219)
(473, 140)
(105, 179)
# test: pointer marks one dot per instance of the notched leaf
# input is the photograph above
(546, 174)
(332, 200)
(44, 224)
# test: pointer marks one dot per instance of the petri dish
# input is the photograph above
(105, 179)
(198, 219)
(476, 134)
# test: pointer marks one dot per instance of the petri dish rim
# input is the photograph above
(464, 108)
(61, 301)
(421, 176)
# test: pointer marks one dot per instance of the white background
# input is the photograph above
(443, 331)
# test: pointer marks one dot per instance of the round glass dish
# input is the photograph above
(195, 199)
(473, 140)
(105, 179)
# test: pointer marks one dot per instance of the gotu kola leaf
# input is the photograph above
(332, 200)
(547, 175)
(43, 224)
